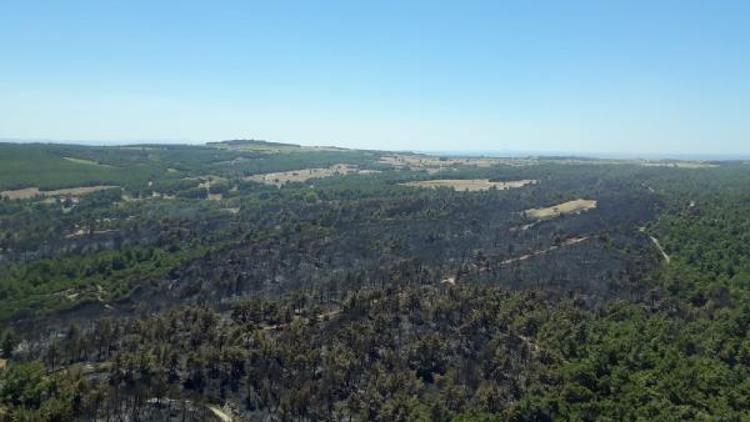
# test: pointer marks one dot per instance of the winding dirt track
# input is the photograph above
(219, 413)
(667, 259)
(569, 242)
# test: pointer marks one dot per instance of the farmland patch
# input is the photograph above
(283, 177)
(570, 207)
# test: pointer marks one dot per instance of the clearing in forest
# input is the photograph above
(85, 161)
(570, 207)
(282, 177)
(27, 193)
(470, 185)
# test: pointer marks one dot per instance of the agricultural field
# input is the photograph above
(570, 207)
(469, 185)
(302, 175)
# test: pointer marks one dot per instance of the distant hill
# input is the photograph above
(254, 142)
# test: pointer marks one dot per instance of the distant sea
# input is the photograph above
(103, 143)
(599, 155)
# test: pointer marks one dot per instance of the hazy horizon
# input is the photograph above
(583, 78)
(619, 155)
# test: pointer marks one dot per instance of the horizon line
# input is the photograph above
(508, 152)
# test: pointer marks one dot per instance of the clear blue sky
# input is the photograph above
(598, 76)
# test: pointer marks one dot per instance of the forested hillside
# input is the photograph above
(250, 280)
